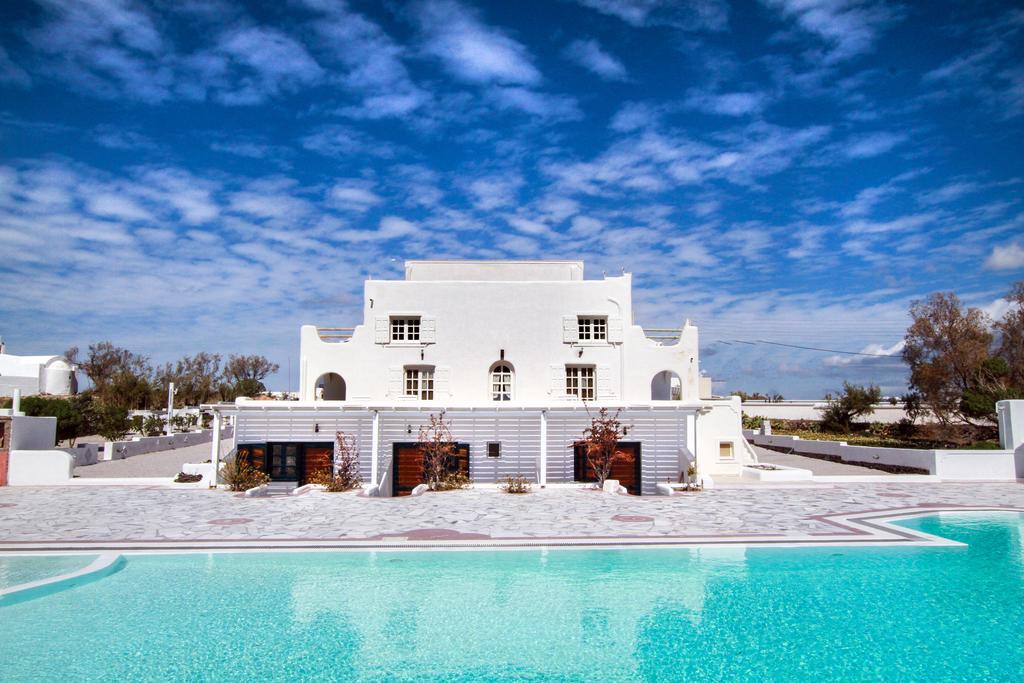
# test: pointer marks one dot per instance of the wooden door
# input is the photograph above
(317, 457)
(627, 472)
(408, 470)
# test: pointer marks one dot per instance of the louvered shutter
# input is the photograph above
(442, 382)
(381, 330)
(428, 330)
(604, 381)
(395, 381)
(615, 330)
(570, 329)
(557, 380)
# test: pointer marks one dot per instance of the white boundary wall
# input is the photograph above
(811, 410)
(118, 450)
(946, 464)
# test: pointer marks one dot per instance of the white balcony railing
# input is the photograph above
(335, 335)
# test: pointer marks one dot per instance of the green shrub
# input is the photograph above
(153, 425)
(111, 422)
(855, 401)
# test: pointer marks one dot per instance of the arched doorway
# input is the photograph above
(666, 386)
(329, 386)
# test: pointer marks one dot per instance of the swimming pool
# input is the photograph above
(898, 613)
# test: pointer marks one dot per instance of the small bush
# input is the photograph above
(334, 483)
(239, 475)
(516, 484)
(184, 478)
(451, 481)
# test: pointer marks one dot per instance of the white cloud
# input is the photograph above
(871, 144)
(727, 104)
(848, 27)
(354, 195)
(541, 105)
(116, 206)
(692, 15)
(590, 55)
(471, 50)
(1006, 257)
(880, 350)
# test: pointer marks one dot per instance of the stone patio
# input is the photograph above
(128, 517)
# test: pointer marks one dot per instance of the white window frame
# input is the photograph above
(418, 382)
(592, 328)
(581, 381)
(405, 329)
(501, 382)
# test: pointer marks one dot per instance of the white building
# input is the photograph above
(516, 353)
(36, 375)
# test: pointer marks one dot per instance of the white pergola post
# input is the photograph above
(691, 435)
(543, 448)
(375, 449)
(168, 430)
(215, 449)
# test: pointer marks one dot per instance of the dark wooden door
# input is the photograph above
(283, 463)
(627, 472)
(408, 470)
(317, 457)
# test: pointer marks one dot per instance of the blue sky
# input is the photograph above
(187, 176)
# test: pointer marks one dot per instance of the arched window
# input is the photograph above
(501, 382)
(666, 386)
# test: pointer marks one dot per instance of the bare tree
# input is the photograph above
(1011, 333)
(195, 378)
(601, 444)
(439, 454)
(946, 349)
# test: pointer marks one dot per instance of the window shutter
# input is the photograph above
(604, 381)
(442, 382)
(381, 330)
(395, 379)
(428, 329)
(615, 330)
(570, 329)
(557, 380)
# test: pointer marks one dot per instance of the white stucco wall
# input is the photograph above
(475, 320)
(39, 468)
(36, 375)
(33, 433)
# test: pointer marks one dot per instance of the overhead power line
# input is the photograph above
(808, 348)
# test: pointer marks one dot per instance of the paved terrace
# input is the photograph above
(129, 517)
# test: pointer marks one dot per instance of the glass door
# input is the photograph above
(284, 461)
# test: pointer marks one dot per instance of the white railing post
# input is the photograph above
(215, 449)
(375, 448)
(543, 448)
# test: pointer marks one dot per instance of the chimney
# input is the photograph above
(16, 403)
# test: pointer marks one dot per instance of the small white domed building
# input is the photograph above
(37, 375)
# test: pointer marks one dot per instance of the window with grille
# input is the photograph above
(579, 381)
(419, 382)
(405, 329)
(501, 382)
(592, 328)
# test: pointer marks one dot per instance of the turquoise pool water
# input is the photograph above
(845, 614)
(20, 569)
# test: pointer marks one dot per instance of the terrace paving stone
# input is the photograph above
(111, 514)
